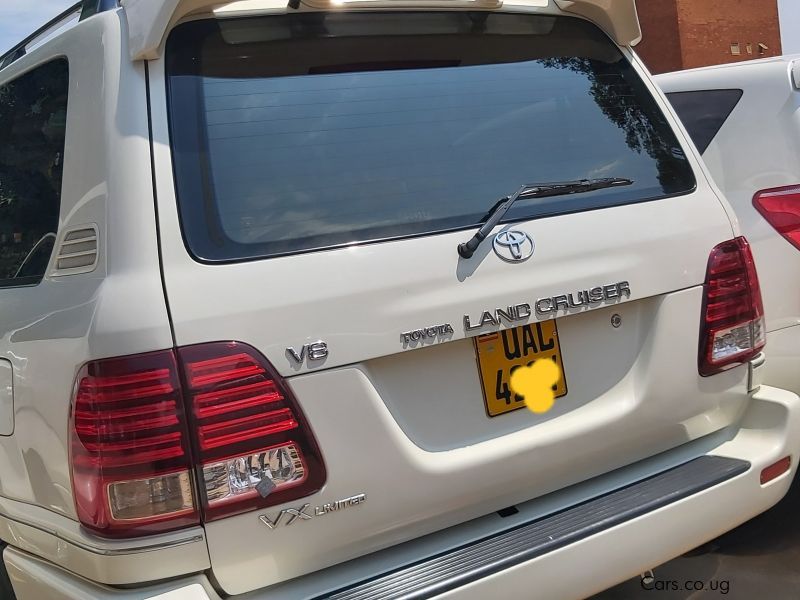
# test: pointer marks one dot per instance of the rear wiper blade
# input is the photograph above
(535, 190)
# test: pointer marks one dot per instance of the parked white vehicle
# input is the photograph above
(260, 307)
(743, 118)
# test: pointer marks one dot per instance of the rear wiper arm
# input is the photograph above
(535, 190)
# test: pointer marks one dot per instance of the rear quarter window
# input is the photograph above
(304, 132)
(704, 112)
(33, 118)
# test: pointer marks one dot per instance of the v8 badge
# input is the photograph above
(316, 351)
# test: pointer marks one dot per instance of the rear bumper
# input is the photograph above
(571, 553)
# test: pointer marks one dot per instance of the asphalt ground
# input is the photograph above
(758, 560)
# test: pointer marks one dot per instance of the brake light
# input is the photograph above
(732, 329)
(144, 448)
(780, 207)
(131, 465)
(253, 446)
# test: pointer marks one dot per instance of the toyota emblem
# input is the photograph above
(513, 245)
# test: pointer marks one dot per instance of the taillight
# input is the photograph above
(131, 463)
(253, 446)
(732, 329)
(781, 209)
(144, 447)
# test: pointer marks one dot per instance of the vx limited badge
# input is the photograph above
(513, 245)
(292, 515)
(288, 516)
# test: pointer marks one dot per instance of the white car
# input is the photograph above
(267, 271)
(744, 120)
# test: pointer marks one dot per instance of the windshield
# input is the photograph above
(304, 132)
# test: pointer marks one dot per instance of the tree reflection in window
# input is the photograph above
(625, 100)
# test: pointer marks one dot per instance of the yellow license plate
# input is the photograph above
(501, 353)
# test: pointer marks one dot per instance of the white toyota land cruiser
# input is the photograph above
(260, 306)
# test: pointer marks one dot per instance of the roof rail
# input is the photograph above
(20, 49)
(79, 11)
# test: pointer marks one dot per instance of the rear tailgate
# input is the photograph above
(323, 195)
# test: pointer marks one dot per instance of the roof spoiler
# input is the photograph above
(618, 18)
(149, 20)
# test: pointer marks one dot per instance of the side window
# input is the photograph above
(33, 117)
(704, 112)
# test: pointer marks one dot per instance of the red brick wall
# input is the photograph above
(704, 31)
(660, 47)
(708, 27)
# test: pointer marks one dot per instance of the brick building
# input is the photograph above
(683, 34)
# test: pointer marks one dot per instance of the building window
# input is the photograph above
(33, 120)
(735, 49)
(749, 48)
(762, 48)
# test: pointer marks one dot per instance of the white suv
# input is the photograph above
(743, 119)
(261, 306)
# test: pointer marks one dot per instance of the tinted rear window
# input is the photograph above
(304, 132)
(704, 112)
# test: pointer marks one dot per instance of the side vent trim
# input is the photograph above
(77, 252)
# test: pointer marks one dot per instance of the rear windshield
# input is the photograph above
(313, 131)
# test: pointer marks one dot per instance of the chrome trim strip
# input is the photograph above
(108, 551)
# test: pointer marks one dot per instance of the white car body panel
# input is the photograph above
(636, 403)
(93, 315)
(758, 148)
(49, 330)
(656, 246)
(771, 420)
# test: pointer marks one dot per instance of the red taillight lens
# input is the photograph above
(254, 448)
(732, 329)
(140, 440)
(781, 209)
(131, 465)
